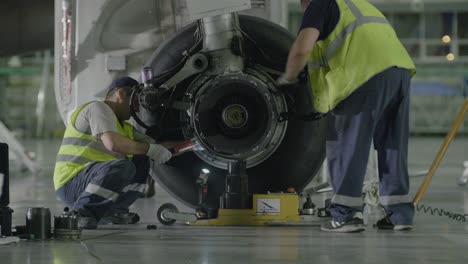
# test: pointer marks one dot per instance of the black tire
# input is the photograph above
(164, 208)
(297, 159)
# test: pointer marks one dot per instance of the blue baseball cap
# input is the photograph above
(122, 82)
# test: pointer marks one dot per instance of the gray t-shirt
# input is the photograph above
(97, 118)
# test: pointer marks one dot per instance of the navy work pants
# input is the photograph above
(377, 111)
(107, 187)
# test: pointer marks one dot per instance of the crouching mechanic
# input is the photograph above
(102, 166)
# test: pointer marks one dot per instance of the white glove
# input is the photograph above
(158, 153)
(283, 81)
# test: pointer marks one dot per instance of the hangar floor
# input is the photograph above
(434, 239)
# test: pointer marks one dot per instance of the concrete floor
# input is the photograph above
(434, 239)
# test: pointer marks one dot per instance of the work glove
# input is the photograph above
(158, 153)
(288, 89)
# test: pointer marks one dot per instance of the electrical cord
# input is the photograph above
(198, 39)
(82, 243)
(132, 112)
(91, 253)
(441, 212)
(262, 52)
(168, 103)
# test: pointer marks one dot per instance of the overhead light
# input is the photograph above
(446, 39)
(205, 170)
(450, 57)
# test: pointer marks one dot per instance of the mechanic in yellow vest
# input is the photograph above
(102, 166)
(359, 73)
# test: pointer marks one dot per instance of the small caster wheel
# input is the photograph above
(167, 207)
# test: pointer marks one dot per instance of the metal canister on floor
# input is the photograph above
(38, 222)
(66, 226)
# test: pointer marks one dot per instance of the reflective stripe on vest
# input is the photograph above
(87, 143)
(362, 45)
(78, 150)
(360, 20)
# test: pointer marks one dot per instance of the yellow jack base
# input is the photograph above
(267, 209)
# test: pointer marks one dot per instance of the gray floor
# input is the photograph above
(435, 239)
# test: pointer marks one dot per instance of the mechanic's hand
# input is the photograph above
(282, 81)
(288, 89)
(158, 153)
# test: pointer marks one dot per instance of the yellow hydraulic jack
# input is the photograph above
(256, 209)
(267, 209)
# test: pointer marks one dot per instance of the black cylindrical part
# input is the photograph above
(66, 222)
(4, 176)
(38, 222)
(236, 181)
(147, 76)
(5, 211)
(236, 195)
(5, 221)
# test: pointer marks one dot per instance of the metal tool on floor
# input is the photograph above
(66, 227)
(38, 222)
(38, 225)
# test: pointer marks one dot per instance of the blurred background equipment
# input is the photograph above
(5, 211)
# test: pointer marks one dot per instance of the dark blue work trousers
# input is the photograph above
(107, 187)
(377, 111)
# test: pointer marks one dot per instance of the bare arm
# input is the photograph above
(300, 51)
(117, 143)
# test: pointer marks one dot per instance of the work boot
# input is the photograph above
(386, 224)
(120, 218)
(354, 225)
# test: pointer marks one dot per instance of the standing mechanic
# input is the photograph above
(360, 73)
(101, 167)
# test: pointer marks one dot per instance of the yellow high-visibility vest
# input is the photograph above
(362, 45)
(78, 150)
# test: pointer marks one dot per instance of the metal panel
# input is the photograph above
(205, 8)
